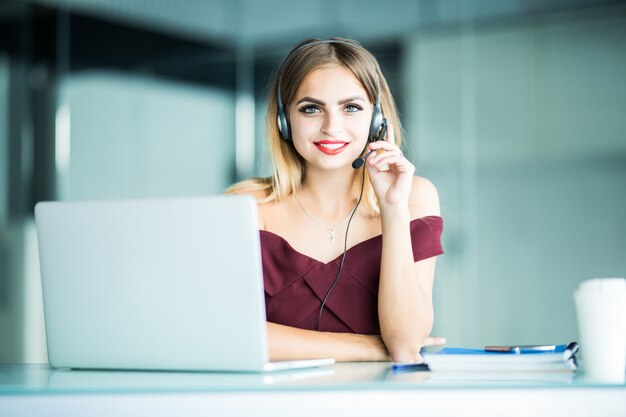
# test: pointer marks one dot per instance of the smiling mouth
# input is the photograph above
(331, 148)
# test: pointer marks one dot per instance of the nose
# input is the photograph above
(332, 123)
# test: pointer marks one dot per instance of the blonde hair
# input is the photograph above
(288, 168)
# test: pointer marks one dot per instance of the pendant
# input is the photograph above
(332, 235)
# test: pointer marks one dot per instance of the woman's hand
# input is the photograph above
(430, 341)
(378, 351)
(390, 172)
(434, 341)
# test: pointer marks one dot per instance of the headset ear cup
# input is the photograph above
(283, 125)
(376, 123)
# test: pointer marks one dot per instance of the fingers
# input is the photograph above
(390, 138)
(387, 155)
(391, 134)
(387, 152)
(434, 341)
(385, 158)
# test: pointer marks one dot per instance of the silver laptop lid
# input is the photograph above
(153, 284)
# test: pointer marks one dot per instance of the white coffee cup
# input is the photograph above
(601, 312)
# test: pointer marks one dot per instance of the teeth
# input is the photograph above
(331, 146)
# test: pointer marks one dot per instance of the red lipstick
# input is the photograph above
(331, 147)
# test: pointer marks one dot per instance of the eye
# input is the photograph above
(309, 109)
(353, 108)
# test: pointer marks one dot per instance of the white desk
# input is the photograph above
(351, 389)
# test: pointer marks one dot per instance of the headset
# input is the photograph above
(284, 126)
(377, 131)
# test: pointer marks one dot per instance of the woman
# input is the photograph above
(345, 277)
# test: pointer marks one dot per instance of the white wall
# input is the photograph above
(522, 128)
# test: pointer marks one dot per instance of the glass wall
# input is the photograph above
(516, 115)
(93, 108)
(135, 136)
(14, 138)
(521, 125)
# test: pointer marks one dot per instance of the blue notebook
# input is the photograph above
(463, 359)
(465, 351)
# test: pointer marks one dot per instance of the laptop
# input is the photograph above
(158, 284)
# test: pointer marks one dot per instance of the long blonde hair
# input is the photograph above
(288, 168)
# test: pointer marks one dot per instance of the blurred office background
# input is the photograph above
(516, 110)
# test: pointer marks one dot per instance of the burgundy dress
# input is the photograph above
(296, 284)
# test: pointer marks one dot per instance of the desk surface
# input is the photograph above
(42, 379)
(370, 388)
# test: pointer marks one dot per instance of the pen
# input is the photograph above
(570, 350)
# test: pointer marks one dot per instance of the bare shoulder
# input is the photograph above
(258, 195)
(424, 200)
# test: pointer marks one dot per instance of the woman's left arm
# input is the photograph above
(405, 307)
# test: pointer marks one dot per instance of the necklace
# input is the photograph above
(332, 235)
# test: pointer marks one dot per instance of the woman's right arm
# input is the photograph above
(290, 343)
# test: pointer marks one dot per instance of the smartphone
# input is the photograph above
(409, 367)
(521, 348)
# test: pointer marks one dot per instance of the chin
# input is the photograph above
(331, 165)
(339, 165)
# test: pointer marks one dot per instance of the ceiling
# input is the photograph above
(261, 23)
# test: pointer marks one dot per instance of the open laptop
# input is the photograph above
(163, 284)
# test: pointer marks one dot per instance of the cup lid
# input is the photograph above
(603, 285)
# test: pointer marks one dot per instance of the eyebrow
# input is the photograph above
(321, 103)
